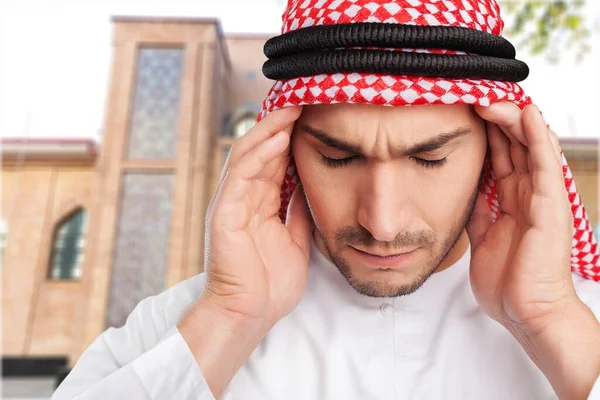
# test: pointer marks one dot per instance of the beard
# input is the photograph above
(424, 238)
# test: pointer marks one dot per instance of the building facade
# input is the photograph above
(89, 230)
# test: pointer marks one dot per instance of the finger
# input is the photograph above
(275, 122)
(556, 145)
(299, 221)
(283, 162)
(274, 170)
(554, 139)
(524, 197)
(260, 132)
(557, 149)
(546, 169)
(254, 162)
(500, 152)
(240, 175)
(271, 171)
(508, 116)
(518, 154)
(283, 167)
(559, 157)
(480, 221)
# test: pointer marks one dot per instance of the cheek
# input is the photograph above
(445, 199)
(330, 202)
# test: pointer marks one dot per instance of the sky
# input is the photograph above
(55, 58)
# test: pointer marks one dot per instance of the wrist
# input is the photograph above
(566, 348)
(220, 341)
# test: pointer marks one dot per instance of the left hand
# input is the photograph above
(520, 264)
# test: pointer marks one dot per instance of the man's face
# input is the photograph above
(390, 189)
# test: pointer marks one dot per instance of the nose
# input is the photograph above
(384, 208)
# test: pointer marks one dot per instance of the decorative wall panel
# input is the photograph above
(141, 248)
(156, 104)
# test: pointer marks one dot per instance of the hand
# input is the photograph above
(520, 265)
(256, 266)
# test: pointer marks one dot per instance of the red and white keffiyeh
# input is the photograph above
(402, 90)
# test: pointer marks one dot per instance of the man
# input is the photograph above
(428, 251)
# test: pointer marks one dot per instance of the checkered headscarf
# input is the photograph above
(402, 90)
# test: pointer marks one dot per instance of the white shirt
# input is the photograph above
(336, 344)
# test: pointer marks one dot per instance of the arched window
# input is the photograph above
(68, 245)
(243, 125)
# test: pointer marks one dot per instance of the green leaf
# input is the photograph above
(573, 21)
(538, 24)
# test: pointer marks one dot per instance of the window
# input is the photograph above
(156, 104)
(243, 125)
(68, 246)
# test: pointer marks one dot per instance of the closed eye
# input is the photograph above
(338, 162)
(341, 162)
(429, 163)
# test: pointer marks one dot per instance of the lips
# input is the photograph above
(384, 260)
(384, 255)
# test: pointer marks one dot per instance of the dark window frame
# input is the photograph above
(75, 251)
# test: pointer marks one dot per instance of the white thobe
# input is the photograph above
(336, 344)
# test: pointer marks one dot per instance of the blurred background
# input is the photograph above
(115, 120)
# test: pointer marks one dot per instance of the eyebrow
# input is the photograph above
(428, 145)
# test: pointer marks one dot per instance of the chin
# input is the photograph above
(385, 283)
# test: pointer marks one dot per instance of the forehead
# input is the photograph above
(405, 121)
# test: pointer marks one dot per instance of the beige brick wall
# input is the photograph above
(25, 197)
(38, 313)
(246, 54)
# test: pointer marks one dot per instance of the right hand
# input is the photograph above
(256, 266)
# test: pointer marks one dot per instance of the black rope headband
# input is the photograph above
(376, 34)
(324, 49)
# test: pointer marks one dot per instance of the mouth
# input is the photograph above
(385, 260)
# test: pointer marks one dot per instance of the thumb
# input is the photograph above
(480, 221)
(298, 220)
